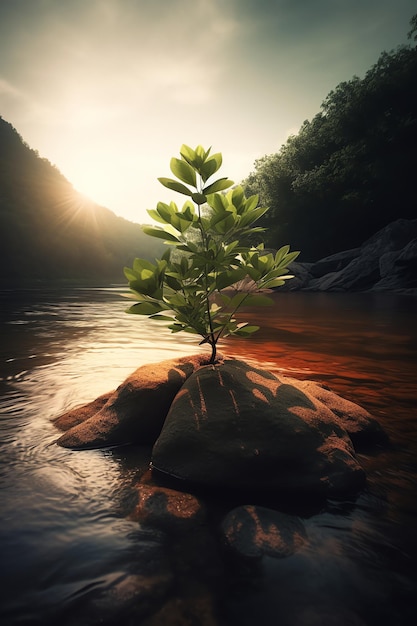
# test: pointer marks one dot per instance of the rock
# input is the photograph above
(81, 414)
(302, 276)
(235, 427)
(359, 275)
(191, 549)
(167, 509)
(253, 531)
(135, 412)
(361, 427)
(398, 269)
(386, 261)
(333, 263)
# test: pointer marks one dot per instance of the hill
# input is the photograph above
(350, 171)
(50, 231)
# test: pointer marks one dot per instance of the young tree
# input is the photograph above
(207, 273)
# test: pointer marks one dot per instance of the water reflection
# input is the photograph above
(64, 534)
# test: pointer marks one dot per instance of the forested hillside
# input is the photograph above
(351, 169)
(50, 231)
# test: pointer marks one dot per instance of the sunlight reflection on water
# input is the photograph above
(63, 531)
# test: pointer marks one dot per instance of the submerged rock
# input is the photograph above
(254, 531)
(167, 509)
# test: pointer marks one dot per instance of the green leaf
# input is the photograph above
(177, 300)
(201, 154)
(166, 212)
(246, 331)
(253, 272)
(249, 217)
(281, 253)
(176, 328)
(238, 299)
(156, 216)
(175, 186)
(158, 316)
(146, 308)
(225, 224)
(184, 171)
(219, 185)
(159, 233)
(188, 154)
(182, 223)
(291, 257)
(252, 203)
(218, 201)
(275, 282)
(211, 166)
(145, 274)
(225, 279)
(130, 274)
(188, 210)
(199, 198)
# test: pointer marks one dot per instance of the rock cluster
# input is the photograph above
(231, 429)
(230, 426)
(385, 262)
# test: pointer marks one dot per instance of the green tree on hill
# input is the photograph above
(351, 169)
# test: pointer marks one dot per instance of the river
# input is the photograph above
(64, 532)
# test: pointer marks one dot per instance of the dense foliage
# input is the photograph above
(209, 272)
(351, 169)
(48, 230)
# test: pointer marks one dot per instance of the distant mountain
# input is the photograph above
(50, 231)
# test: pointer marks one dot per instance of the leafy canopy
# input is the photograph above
(353, 164)
(207, 272)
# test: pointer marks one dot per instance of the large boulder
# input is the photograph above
(135, 412)
(334, 262)
(235, 427)
(398, 269)
(375, 260)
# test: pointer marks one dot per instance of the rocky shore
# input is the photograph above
(385, 262)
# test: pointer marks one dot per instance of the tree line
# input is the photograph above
(351, 169)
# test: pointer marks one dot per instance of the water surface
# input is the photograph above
(65, 537)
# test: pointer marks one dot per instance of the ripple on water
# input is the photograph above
(63, 536)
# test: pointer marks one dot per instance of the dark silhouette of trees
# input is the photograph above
(50, 231)
(351, 169)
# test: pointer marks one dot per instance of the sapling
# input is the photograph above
(210, 269)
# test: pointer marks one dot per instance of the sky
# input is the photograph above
(109, 90)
